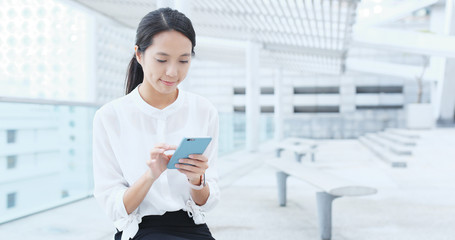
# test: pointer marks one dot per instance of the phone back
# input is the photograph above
(187, 147)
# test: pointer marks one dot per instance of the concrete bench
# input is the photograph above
(331, 187)
(299, 146)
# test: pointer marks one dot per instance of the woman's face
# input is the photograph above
(166, 62)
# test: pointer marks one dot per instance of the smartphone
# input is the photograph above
(188, 146)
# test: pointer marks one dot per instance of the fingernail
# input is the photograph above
(191, 155)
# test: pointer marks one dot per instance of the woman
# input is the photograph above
(131, 135)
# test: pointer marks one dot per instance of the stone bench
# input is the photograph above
(299, 146)
(331, 187)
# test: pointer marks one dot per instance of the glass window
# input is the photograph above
(11, 162)
(239, 91)
(267, 90)
(11, 200)
(11, 136)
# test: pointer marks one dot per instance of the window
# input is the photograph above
(267, 90)
(267, 109)
(239, 91)
(11, 200)
(11, 136)
(239, 108)
(316, 90)
(375, 107)
(316, 109)
(11, 162)
(379, 89)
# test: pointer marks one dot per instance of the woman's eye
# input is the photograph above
(184, 61)
(161, 61)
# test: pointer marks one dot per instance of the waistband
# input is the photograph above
(175, 219)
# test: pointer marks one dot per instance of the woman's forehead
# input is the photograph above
(171, 43)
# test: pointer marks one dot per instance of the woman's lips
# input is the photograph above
(167, 83)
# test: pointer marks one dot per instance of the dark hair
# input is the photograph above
(163, 19)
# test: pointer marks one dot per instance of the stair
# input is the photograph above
(391, 146)
(390, 158)
(409, 134)
(394, 146)
(398, 138)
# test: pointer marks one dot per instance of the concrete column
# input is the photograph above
(278, 104)
(183, 6)
(447, 88)
(252, 96)
(347, 94)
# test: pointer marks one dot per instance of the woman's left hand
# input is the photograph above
(199, 163)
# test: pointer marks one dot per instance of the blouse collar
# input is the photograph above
(155, 112)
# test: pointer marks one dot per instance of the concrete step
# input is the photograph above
(398, 139)
(410, 134)
(391, 159)
(389, 145)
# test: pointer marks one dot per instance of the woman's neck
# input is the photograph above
(155, 98)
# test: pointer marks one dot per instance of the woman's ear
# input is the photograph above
(138, 54)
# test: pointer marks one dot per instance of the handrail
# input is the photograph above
(48, 102)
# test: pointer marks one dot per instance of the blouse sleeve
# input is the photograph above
(211, 175)
(110, 185)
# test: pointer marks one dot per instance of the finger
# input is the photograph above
(165, 147)
(189, 174)
(196, 163)
(161, 145)
(199, 157)
(156, 151)
(193, 169)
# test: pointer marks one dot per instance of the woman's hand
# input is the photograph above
(193, 173)
(158, 160)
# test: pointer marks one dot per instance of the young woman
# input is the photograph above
(131, 135)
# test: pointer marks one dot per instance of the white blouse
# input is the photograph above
(125, 131)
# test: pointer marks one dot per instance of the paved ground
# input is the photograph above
(415, 203)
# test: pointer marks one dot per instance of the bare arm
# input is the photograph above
(200, 196)
(137, 192)
(157, 163)
(193, 173)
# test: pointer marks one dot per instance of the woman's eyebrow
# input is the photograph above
(165, 54)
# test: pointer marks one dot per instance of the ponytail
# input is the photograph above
(135, 75)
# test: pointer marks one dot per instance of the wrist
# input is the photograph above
(197, 183)
(149, 175)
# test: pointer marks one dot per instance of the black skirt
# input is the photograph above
(170, 226)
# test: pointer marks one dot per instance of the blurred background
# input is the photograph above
(372, 73)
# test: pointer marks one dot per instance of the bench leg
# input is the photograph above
(281, 178)
(298, 157)
(324, 202)
(278, 152)
(312, 157)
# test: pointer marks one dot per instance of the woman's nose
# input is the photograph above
(171, 71)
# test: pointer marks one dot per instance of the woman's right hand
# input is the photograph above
(158, 160)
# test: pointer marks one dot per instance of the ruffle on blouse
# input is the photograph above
(194, 211)
(129, 225)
